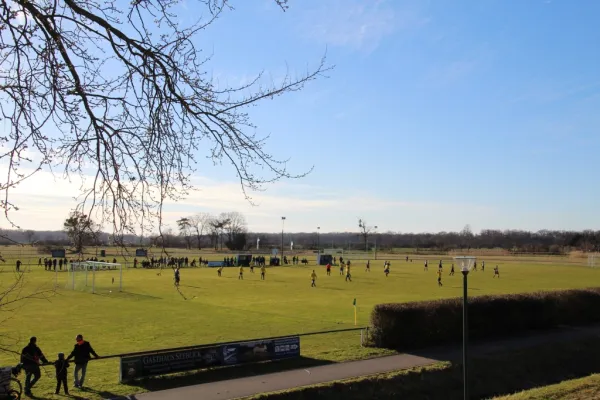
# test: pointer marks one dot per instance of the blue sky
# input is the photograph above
(437, 114)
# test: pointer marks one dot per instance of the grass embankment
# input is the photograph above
(151, 314)
(490, 375)
(587, 388)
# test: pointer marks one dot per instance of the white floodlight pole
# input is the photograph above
(318, 240)
(282, 226)
(376, 242)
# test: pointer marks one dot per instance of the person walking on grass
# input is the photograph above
(386, 268)
(219, 270)
(348, 275)
(177, 277)
(425, 266)
(452, 270)
(496, 272)
(368, 267)
(263, 271)
(341, 268)
(61, 365)
(439, 274)
(31, 355)
(82, 353)
(328, 268)
(241, 275)
(313, 278)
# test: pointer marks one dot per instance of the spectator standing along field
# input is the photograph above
(31, 355)
(82, 353)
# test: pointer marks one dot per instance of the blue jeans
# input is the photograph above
(31, 371)
(82, 368)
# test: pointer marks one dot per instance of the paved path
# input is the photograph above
(243, 387)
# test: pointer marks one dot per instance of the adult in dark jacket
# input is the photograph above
(31, 355)
(82, 353)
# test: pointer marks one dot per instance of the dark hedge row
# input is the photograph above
(430, 323)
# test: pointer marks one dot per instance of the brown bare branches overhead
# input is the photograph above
(118, 91)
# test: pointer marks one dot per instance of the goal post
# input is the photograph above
(95, 277)
(594, 260)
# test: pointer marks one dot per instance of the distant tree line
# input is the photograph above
(229, 231)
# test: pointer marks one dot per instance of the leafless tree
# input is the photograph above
(218, 225)
(199, 224)
(29, 235)
(185, 230)
(365, 231)
(118, 93)
(81, 229)
(236, 224)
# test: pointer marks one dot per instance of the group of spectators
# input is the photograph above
(179, 262)
(32, 358)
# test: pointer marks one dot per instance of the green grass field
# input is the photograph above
(587, 388)
(151, 314)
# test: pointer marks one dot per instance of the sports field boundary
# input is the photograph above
(231, 342)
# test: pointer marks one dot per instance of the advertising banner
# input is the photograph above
(58, 253)
(141, 253)
(166, 363)
(159, 363)
(215, 263)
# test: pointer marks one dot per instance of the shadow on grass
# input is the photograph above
(128, 295)
(225, 373)
(493, 374)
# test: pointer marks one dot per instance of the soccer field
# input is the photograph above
(151, 314)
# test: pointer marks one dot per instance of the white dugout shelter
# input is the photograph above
(94, 276)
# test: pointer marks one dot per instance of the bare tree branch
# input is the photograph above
(118, 94)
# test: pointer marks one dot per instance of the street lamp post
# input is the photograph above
(282, 223)
(465, 267)
(465, 272)
(318, 240)
(376, 242)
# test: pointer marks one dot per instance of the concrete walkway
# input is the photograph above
(244, 387)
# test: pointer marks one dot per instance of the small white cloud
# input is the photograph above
(359, 25)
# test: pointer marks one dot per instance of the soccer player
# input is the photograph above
(241, 275)
(475, 266)
(219, 270)
(348, 276)
(368, 268)
(251, 268)
(482, 266)
(342, 265)
(452, 270)
(439, 274)
(440, 265)
(313, 278)
(496, 272)
(328, 269)
(406, 258)
(263, 269)
(177, 277)
(386, 269)
(425, 266)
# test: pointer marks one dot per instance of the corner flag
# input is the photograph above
(354, 304)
